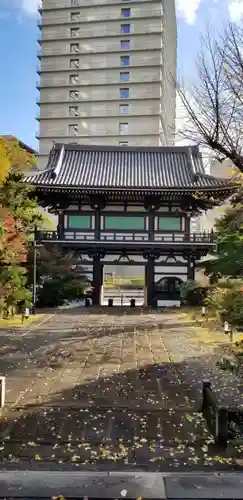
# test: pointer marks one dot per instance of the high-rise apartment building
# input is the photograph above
(106, 73)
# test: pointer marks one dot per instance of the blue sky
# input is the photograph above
(18, 46)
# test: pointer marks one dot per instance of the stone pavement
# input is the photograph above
(111, 390)
(47, 484)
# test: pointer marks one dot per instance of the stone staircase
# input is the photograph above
(112, 438)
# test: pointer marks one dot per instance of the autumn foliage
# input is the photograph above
(18, 215)
(13, 239)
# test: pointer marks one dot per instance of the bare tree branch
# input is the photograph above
(214, 106)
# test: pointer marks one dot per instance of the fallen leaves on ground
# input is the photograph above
(150, 362)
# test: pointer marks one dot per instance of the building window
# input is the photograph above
(126, 12)
(169, 224)
(74, 47)
(124, 76)
(74, 95)
(74, 63)
(125, 61)
(125, 44)
(79, 222)
(123, 144)
(124, 93)
(74, 79)
(125, 28)
(124, 222)
(74, 32)
(73, 111)
(75, 17)
(124, 108)
(73, 129)
(75, 3)
(123, 128)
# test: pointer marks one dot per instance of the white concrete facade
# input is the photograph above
(106, 73)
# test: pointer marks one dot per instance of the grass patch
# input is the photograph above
(16, 321)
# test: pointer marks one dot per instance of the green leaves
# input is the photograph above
(59, 278)
(227, 260)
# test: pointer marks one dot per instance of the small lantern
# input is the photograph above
(228, 330)
(25, 314)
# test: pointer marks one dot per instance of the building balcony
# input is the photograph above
(132, 240)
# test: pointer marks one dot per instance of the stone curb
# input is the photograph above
(79, 484)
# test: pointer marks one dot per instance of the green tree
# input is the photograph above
(18, 197)
(13, 289)
(59, 278)
(19, 214)
(227, 259)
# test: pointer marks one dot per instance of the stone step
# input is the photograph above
(157, 440)
(151, 455)
(50, 425)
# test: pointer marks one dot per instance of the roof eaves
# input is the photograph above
(134, 189)
(222, 180)
(37, 174)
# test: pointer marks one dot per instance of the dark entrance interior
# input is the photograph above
(168, 288)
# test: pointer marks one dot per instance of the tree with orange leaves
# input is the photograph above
(19, 214)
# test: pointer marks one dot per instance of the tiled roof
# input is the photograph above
(104, 167)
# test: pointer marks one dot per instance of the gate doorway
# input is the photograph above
(122, 283)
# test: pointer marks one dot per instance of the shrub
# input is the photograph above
(193, 293)
(233, 307)
(227, 301)
(215, 298)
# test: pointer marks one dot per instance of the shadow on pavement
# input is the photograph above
(140, 418)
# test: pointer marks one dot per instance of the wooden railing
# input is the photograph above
(129, 237)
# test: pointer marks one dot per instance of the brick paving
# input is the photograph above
(110, 390)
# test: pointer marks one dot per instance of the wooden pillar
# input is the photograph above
(97, 280)
(97, 224)
(190, 267)
(187, 227)
(151, 225)
(150, 281)
(60, 227)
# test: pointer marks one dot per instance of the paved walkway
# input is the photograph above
(110, 390)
